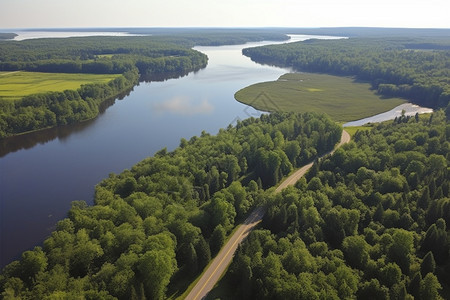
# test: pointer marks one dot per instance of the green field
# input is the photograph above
(340, 97)
(15, 85)
(353, 129)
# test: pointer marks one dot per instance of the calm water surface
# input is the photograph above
(43, 172)
(408, 109)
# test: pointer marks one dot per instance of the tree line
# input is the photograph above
(369, 222)
(153, 228)
(100, 55)
(413, 68)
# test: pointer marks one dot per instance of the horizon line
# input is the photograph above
(222, 27)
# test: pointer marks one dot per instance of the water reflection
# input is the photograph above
(184, 106)
(161, 77)
(31, 139)
(28, 141)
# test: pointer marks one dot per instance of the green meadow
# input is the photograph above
(15, 85)
(353, 129)
(340, 97)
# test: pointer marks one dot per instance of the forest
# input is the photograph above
(417, 69)
(369, 222)
(154, 228)
(136, 58)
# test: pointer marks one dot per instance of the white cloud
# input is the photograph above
(184, 106)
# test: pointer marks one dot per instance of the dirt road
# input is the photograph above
(291, 180)
(223, 259)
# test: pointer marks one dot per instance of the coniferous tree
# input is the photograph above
(428, 264)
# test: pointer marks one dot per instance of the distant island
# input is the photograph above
(7, 36)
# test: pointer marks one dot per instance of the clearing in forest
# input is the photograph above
(16, 85)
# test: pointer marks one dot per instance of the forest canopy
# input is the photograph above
(153, 228)
(369, 222)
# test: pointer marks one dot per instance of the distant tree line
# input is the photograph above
(369, 222)
(100, 55)
(415, 69)
(153, 228)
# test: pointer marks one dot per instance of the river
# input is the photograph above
(43, 172)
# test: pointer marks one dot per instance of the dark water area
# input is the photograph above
(41, 173)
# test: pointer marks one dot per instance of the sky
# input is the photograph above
(224, 13)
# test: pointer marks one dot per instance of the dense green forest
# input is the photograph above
(417, 69)
(369, 222)
(155, 57)
(153, 228)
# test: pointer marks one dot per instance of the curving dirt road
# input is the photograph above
(291, 180)
(223, 259)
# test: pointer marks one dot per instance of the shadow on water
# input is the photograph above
(147, 78)
(31, 139)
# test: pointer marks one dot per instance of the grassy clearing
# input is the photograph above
(16, 85)
(353, 129)
(340, 97)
